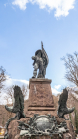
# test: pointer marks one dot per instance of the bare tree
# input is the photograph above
(2, 77)
(24, 90)
(71, 64)
(6, 99)
(10, 94)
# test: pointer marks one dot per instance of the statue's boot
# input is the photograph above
(40, 76)
(64, 110)
(34, 73)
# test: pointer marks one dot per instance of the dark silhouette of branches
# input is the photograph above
(2, 77)
(10, 93)
(71, 64)
(24, 90)
(74, 97)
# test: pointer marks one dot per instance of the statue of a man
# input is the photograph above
(40, 62)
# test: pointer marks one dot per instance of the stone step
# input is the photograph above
(41, 109)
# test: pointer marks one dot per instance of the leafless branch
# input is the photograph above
(2, 77)
(71, 64)
(10, 93)
(24, 90)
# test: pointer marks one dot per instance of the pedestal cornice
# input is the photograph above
(39, 80)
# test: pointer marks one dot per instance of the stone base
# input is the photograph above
(40, 94)
(31, 113)
(65, 136)
(14, 132)
(40, 98)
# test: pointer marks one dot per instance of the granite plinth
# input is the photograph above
(40, 97)
(66, 136)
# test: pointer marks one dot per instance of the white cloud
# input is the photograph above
(61, 7)
(9, 82)
(57, 86)
(55, 92)
(20, 3)
(3, 101)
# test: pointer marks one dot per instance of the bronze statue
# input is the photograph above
(18, 108)
(62, 108)
(40, 62)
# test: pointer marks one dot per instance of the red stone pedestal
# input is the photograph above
(40, 98)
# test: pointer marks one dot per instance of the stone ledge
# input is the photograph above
(41, 109)
(52, 105)
(39, 80)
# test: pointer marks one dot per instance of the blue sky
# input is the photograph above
(25, 23)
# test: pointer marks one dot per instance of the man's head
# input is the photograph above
(38, 53)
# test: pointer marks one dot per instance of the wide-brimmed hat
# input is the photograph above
(38, 52)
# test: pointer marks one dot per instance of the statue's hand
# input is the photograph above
(33, 57)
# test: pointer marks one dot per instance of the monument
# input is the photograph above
(42, 120)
